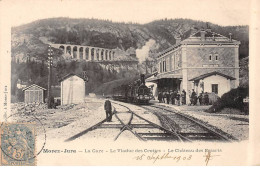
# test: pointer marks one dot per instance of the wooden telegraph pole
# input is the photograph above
(50, 61)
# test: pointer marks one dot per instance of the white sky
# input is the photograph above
(222, 12)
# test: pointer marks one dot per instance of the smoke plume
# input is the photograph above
(144, 51)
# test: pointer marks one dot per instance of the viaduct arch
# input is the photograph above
(87, 53)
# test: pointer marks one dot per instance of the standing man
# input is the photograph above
(206, 98)
(108, 109)
(164, 97)
(200, 97)
(172, 97)
(168, 97)
(178, 98)
(183, 97)
(193, 97)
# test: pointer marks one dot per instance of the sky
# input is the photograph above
(222, 12)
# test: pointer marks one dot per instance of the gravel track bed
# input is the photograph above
(234, 126)
(140, 111)
(182, 124)
(179, 123)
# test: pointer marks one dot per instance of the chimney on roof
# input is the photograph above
(178, 40)
(213, 36)
(230, 36)
(203, 35)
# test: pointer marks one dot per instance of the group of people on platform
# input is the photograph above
(177, 98)
(203, 98)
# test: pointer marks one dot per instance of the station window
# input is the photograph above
(216, 57)
(210, 57)
(214, 88)
(164, 66)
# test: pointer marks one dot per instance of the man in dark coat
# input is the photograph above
(108, 109)
(200, 97)
(194, 97)
(183, 97)
(168, 97)
(172, 98)
(178, 98)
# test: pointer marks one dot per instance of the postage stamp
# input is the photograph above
(18, 144)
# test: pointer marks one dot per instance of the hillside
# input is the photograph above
(106, 34)
(30, 43)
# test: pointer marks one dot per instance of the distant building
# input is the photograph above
(206, 61)
(72, 89)
(34, 93)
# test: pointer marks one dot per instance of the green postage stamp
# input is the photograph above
(18, 144)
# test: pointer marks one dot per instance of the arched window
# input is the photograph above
(216, 57)
(106, 54)
(210, 57)
(81, 52)
(86, 53)
(102, 54)
(97, 54)
(75, 50)
(92, 54)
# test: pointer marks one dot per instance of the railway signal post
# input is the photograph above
(50, 61)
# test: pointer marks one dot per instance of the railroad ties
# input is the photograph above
(174, 127)
(186, 126)
(128, 121)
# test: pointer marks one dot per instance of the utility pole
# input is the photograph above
(50, 61)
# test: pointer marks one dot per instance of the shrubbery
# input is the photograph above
(231, 99)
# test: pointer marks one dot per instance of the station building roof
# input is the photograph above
(33, 85)
(195, 38)
(164, 76)
(211, 74)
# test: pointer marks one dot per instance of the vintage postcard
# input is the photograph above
(150, 82)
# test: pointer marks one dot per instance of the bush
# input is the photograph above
(232, 99)
(18, 97)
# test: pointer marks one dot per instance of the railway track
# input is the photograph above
(186, 126)
(140, 127)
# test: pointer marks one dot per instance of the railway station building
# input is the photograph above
(206, 61)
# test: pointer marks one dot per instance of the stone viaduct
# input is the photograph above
(87, 53)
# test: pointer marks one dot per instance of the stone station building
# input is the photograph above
(205, 61)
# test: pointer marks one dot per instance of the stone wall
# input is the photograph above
(199, 56)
